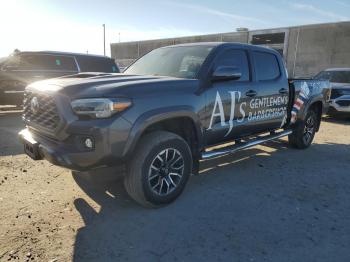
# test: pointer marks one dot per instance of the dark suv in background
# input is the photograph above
(23, 68)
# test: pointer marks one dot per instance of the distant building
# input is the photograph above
(306, 49)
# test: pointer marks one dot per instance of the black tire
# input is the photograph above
(304, 132)
(150, 186)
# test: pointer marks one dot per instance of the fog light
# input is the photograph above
(88, 143)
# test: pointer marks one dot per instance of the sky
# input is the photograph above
(76, 25)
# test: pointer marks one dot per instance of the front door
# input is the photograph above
(255, 103)
(226, 101)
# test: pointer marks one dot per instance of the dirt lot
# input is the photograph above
(268, 203)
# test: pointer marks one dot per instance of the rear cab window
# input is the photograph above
(266, 66)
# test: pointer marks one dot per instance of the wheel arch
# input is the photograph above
(317, 106)
(173, 120)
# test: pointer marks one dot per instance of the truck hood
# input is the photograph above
(107, 85)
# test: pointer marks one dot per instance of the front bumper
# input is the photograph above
(71, 152)
(341, 104)
(57, 153)
(60, 140)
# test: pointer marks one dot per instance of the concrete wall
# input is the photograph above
(307, 49)
(317, 47)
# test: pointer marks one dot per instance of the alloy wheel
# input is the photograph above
(309, 130)
(166, 171)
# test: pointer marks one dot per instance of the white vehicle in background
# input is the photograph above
(340, 84)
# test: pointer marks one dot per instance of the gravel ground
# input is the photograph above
(267, 203)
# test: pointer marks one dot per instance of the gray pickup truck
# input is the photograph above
(166, 112)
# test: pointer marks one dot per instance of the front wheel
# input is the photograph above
(304, 132)
(159, 170)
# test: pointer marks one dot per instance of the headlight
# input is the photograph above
(99, 107)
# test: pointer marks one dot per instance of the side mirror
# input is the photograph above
(225, 73)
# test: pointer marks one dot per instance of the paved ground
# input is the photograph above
(268, 203)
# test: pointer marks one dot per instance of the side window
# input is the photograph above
(266, 66)
(97, 64)
(64, 63)
(35, 62)
(47, 62)
(236, 58)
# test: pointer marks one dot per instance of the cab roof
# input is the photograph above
(225, 44)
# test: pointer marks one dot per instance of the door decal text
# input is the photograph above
(258, 109)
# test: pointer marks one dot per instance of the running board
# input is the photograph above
(244, 145)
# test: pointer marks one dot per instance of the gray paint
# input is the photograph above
(155, 99)
(307, 49)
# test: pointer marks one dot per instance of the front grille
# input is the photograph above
(45, 115)
(343, 102)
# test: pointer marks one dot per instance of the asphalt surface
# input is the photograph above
(267, 203)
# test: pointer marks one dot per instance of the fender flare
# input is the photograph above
(157, 115)
(306, 107)
(312, 100)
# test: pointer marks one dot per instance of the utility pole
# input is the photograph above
(104, 39)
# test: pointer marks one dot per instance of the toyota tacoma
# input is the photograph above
(167, 111)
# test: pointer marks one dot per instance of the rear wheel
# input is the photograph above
(159, 170)
(304, 132)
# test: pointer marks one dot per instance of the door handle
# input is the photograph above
(283, 91)
(250, 93)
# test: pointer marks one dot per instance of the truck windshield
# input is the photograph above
(334, 76)
(181, 62)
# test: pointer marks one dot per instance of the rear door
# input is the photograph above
(269, 94)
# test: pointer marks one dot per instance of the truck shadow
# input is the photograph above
(240, 206)
(341, 120)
